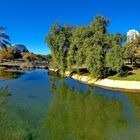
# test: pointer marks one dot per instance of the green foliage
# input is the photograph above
(131, 51)
(100, 24)
(76, 53)
(10, 53)
(14, 52)
(131, 77)
(119, 38)
(85, 46)
(114, 59)
(95, 61)
(59, 43)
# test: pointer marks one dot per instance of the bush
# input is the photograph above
(4, 54)
(14, 52)
(10, 53)
(29, 56)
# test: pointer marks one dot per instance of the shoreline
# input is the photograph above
(121, 85)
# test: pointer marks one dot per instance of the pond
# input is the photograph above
(38, 105)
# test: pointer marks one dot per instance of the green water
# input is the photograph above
(36, 105)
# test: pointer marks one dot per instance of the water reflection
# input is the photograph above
(61, 110)
(9, 75)
(74, 115)
(4, 93)
(134, 129)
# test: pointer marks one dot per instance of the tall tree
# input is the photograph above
(100, 24)
(59, 43)
(131, 52)
(95, 61)
(86, 46)
(97, 44)
(114, 59)
(76, 53)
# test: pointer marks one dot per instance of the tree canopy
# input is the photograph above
(89, 46)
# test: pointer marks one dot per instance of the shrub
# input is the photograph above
(29, 56)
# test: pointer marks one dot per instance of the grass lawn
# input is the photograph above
(134, 77)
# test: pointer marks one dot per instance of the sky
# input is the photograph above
(29, 21)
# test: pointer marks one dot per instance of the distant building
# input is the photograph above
(21, 48)
(131, 35)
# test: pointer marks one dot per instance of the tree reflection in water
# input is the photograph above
(74, 115)
(68, 114)
(9, 75)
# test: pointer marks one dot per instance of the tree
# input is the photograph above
(119, 38)
(95, 61)
(3, 38)
(131, 52)
(76, 53)
(96, 46)
(4, 54)
(59, 42)
(85, 46)
(114, 59)
(100, 24)
(14, 52)
(10, 53)
(138, 39)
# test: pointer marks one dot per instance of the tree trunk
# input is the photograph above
(132, 61)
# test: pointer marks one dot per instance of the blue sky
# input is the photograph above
(28, 21)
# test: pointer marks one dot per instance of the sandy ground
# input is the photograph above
(118, 84)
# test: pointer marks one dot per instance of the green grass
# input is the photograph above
(133, 77)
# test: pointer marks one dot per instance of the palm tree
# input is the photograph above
(4, 38)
